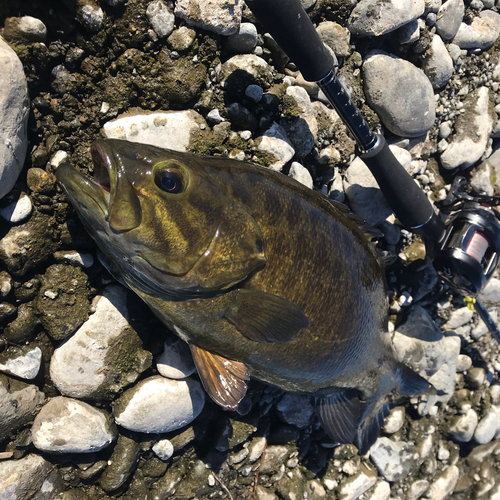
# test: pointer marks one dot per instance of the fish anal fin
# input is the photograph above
(264, 317)
(339, 414)
(224, 380)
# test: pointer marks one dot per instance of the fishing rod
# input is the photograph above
(466, 248)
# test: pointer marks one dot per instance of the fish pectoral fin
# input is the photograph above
(264, 317)
(224, 380)
(372, 420)
(339, 415)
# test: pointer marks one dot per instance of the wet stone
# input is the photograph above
(275, 455)
(23, 326)
(176, 361)
(392, 459)
(66, 425)
(23, 362)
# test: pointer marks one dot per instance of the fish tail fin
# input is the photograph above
(400, 381)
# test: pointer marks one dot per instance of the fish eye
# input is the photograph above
(170, 180)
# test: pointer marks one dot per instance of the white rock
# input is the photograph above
(58, 158)
(395, 420)
(252, 64)
(26, 365)
(275, 142)
(164, 129)
(437, 64)
(371, 18)
(90, 15)
(481, 33)
(459, 317)
(413, 113)
(162, 19)
(356, 485)
(159, 405)
(444, 484)
(463, 426)
(163, 449)
(66, 425)
(32, 28)
(220, 16)
(21, 479)
(18, 210)
(491, 292)
(381, 491)
(449, 18)
(301, 174)
(14, 109)
(417, 489)
(488, 427)
(463, 363)
(392, 459)
(85, 366)
(244, 41)
(175, 361)
(74, 257)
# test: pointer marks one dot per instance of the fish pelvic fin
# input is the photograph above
(400, 381)
(339, 414)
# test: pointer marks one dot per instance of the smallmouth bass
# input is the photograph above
(261, 276)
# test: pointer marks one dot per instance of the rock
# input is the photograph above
(254, 92)
(244, 41)
(122, 463)
(241, 118)
(162, 19)
(413, 114)
(488, 427)
(491, 292)
(417, 489)
(449, 18)
(17, 207)
(163, 449)
(295, 409)
(381, 491)
(74, 257)
(476, 377)
(66, 425)
(181, 39)
(275, 142)
(23, 326)
(444, 484)
(164, 129)
(301, 174)
(14, 110)
(336, 37)
(462, 427)
(437, 63)
(481, 33)
(24, 29)
(254, 65)
(104, 355)
(23, 362)
(409, 33)
(473, 129)
(176, 362)
(354, 486)
(219, 16)
(18, 403)
(21, 479)
(157, 404)
(365, 197)
(374, 18)
(458, 318)
(464, 362)
(395, 420)
(392, 459)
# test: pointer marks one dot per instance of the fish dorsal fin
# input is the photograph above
(339, 415)
(224, 380)
(369, 231)
(264, 317)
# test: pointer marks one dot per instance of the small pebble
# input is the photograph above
(18, 209)
(163, 449)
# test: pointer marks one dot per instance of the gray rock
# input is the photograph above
(18, 403)
(104, 355)
(392, 459)
(157, 404)
(254, 65)
(90, 15)
(74, 257)
(254, 92)
(449, 18)
(24, 29)
(473, 129)
(181, 39)
(481, 33)
(244, 41)
(66, 425)
(365, 197)
(462, 427)
(163, 449)
(381, 491)
(219, 16)
(164, 129)
(214, 117)
(488, 427)
(275, 142)
(413, 113)
(491, 292)
(295, 409)
(14, 109)
(409, 33)
(241, 118)
(464, 362)
(417, 489)
(301, 174)
(444, 484)
(307, 4)
(432, 6)
(18, 209)
(354, 486)
(458, 318)
(162, 19)
(336, 37)
(21, 479)
(374, 18)
(23, 362)
(175, 361)
(437, 63)
(395, 420)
